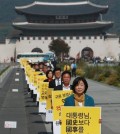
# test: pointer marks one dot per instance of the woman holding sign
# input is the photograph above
(49, 75)
(79, 96)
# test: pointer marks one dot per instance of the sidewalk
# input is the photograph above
(108, 97)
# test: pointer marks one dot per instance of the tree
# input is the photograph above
(59, 47)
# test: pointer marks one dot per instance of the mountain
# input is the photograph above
(8, 14)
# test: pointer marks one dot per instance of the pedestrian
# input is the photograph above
(73, 69)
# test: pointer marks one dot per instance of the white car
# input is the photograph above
(109, 59)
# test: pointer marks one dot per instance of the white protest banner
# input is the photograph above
(42, 107)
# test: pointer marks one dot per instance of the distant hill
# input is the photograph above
(8, 14)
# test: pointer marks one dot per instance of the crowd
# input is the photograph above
(59, 80)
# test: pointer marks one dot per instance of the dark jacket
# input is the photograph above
(52, 84)
(69, 101)
(60, 87)
(46, 80)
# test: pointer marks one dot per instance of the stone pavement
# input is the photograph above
(18, 106)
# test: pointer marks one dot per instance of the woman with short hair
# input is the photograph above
(49, 75)
(79, 96)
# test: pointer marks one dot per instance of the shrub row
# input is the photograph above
(106, 74)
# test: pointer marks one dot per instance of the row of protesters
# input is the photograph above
(42, 68)
(59, 80)
(62, 81)
(79, 87)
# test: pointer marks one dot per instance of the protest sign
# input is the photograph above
(80, 120)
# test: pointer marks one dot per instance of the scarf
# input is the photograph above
(78, 99)
(50, 79)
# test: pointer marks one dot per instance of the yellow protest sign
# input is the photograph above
(43, 91)
(81, 120)
(23, 62)
(49, 99)
(58, 98)
(40, 78)
(31, 72)
(27, 69)
(31, 76)
(35, 78)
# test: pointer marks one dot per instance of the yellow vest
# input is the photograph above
(67, 67)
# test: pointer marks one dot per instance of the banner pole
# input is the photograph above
(10, 130)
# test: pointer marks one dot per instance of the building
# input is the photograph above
(79, 24)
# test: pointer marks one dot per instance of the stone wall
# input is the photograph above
(101, 47)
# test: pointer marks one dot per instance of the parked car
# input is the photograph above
(109, 60)
(95, 60)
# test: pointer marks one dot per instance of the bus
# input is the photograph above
(52, 56)
(34, 57)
